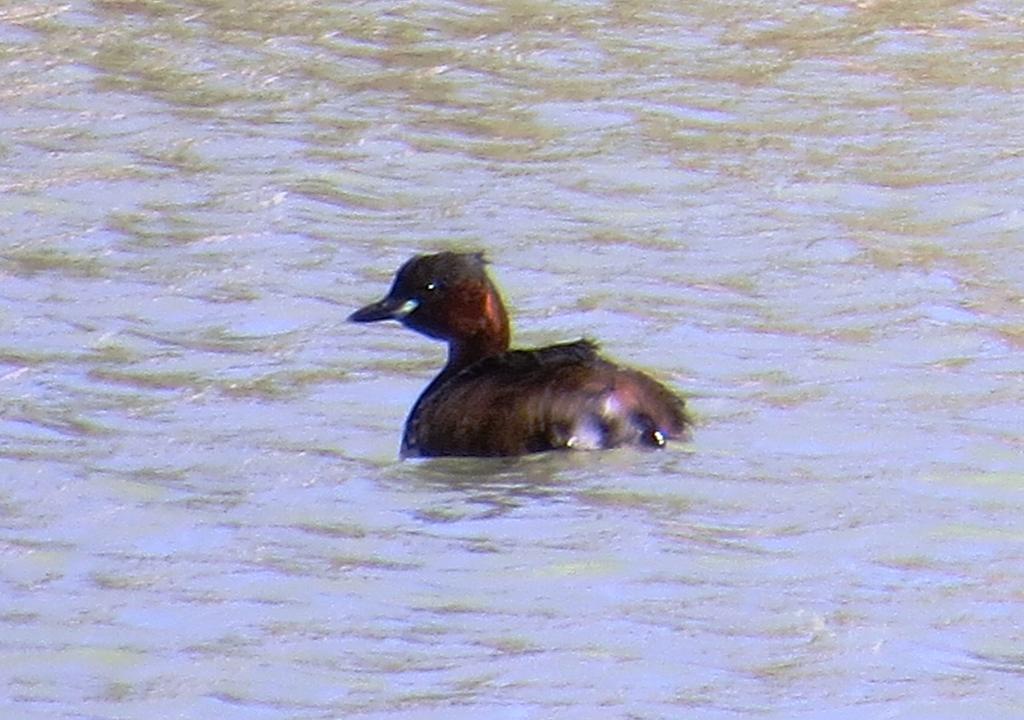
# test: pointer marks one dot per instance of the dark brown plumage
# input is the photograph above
(492, 401)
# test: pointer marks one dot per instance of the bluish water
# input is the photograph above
(806, 219)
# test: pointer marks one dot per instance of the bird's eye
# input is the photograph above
(432, 286)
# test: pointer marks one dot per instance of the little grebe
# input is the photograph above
(489, 400)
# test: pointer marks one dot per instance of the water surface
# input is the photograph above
(806, 219)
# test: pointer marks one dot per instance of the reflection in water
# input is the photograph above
(805, 217)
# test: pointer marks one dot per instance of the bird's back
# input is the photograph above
(559, 397)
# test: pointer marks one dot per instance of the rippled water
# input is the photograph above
(808, 219)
